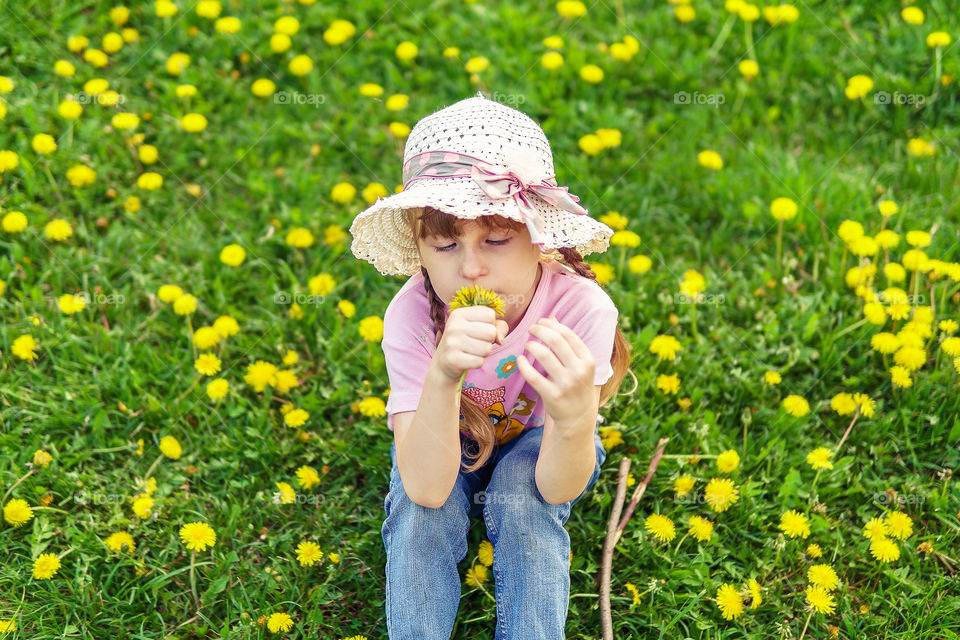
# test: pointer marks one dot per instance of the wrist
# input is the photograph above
(438, 377)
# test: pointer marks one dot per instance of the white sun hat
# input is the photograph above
(476, 157)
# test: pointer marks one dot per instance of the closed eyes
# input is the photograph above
(451, 246)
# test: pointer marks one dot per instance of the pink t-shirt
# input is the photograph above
(497, 386)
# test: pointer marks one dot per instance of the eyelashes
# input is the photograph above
(451, 246)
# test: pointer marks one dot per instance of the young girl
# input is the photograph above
(518, 443)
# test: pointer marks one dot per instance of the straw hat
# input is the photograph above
(476, 157)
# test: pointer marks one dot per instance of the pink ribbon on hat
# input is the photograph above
(500, 182)
(511, 180)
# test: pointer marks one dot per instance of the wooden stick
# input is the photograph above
(638, 493)
(608, 545)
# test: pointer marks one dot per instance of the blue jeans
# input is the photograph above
(531, 548)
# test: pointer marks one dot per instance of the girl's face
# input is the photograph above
(503, 260)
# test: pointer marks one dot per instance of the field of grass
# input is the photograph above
(98, 363)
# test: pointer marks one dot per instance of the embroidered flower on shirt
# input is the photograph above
(506, 367)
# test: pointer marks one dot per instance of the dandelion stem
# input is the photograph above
(49, 509)
(189, 389)
(749, 37)
(721, 37)
(855, 325)
(779, 243)
(126, 447)
(847, 432)
(190, 333)
(813, 485)
(487, 593)
(693, 320)
(843, 264)
(193, 578)
(153, 467)
(802, 633)
(938, 66)
(56, 189)
(681, 542)
(14, 486)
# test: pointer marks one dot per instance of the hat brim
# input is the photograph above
(382, 237)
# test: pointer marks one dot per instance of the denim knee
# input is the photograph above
(445, 527)
(513, 501)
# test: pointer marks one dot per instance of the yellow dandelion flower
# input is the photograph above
(794, 524)
(823, 576)
(309, 553)
(728, 461)
(819, 600)
(660, 527)
(729, 602)
(307, 477)
(17, 512)
(683, 485)
(796, 406)
(278, 622)
(720, 494)
(476, 575)
(46, 566)
(120, 540)
(700, 528)
(899, 524)
(819, 458)
(756, 598)
(485, 553)
(884, 549)
(875, 528)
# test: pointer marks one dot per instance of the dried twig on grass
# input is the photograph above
(614, 531)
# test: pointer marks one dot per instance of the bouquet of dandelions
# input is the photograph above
(475, 296)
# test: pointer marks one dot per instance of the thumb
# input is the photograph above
(502, 330)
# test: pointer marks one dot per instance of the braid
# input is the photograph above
(574, 260)
(437, 314)
(477, 421)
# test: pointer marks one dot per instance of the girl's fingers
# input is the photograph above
(531, 375)
(574, 341)
(558, 340)
(546, 357)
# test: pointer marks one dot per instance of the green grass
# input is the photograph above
(116, 371)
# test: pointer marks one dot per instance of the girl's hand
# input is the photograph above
(568, 392)
(467, 340)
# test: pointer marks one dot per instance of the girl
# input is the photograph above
(518, 442)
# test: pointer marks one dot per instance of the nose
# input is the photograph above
(472, 266)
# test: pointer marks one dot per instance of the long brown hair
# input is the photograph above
(427, 221)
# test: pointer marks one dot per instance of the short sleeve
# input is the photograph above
(597, 329)
(407, 361)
